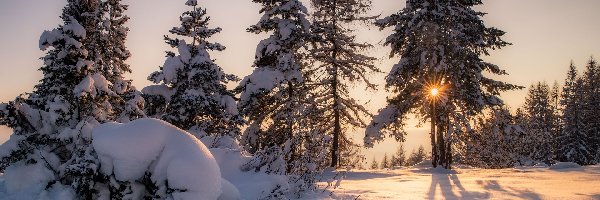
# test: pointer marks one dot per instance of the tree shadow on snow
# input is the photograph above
(367, 175)
(577, 169)
(493, 185)
(448, 183)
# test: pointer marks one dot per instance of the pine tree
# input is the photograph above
(52, 125)
(496, 142)
(271, 92)
(200, 101)
(112, 56)
(393, 161)
(374, 164)
(521, 150)
(385, 163)
(417, 156)
(340, 63)
(412, 159)
(590, 103)
(276, 101)
(400, 156)
(421, 154)
(573, 143)
(440, 44)
(350, 153)
(556, 108)
(540, 119)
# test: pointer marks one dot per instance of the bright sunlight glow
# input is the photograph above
(434, 92)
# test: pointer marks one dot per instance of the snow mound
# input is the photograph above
(23, 181)
(230, 192)
(253, 185)
(565, 165)
(21, 177)
(168, 153)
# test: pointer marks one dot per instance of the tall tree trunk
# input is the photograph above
(434, 154)
(448, 150)
(441, 145)
(336, 126)
(334, 84)
(290, 125)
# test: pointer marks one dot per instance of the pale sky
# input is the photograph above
(546, 36)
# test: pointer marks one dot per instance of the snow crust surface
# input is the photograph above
(423, 182)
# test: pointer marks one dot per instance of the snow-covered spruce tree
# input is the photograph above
(275, 99)
(52, 125)
(385, 163)
(539, 120)
(521, 150)
(590, 104)
(112, 54)
(440, 43)
(400, 156)
(495, 142)
(270, 95)
(374, 164)
(417, 156)
(340, 62)
(555, 94)
(199, 100)
(573, 142)
(393, 161)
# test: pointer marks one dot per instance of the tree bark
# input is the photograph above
(441, 145)
(336, 126)
(334, 84)
(434, 154)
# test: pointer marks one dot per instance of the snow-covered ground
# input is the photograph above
(172, 155)
(469, 183)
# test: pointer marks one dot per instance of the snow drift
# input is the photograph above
(170, 154)
(251, 184)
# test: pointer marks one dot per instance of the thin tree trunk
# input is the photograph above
(448, 146)
(290, 126)
(441, 143)
(337, 126)
(434, 154)
(334, 84)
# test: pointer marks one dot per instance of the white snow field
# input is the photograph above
(566, 181)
